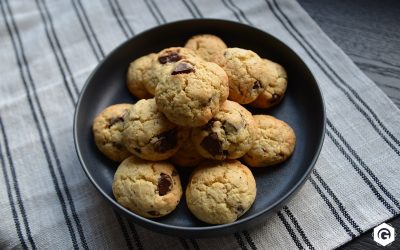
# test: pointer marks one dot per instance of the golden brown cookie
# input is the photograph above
(187, 155)
(228, 135)
(209, 47)
(191, 92)
(107, 131)
(139, 73)
(277, 78)
(150, 189)
(274, 142)
(148, 134)
(220, 192)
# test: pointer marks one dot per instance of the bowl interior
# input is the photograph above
(302, 108)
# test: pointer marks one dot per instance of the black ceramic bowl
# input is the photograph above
(302, 108)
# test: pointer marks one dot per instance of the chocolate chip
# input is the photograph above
(209, 125)
(118, 145)
(171, 57)
(138, 150)
(183, 68)
(164, 184)
(229, 127)
(153, 213)
(226, 152)
(174, 173)
(212, 144)
(257, 84)
(239, 209)
(115, 120)
(275, 98)
(166, 141)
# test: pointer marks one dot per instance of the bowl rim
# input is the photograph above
(272, 207)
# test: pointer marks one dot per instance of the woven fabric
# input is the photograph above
(48, 49)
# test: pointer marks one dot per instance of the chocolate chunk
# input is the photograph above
(153, 213)
(164, 184)
(209, 125)
(257, 84)
(138, 150)
(183, 68)
(174, 173)
(212, 144)
(229, 127)
(171, 57)
(166, 141)
(115, 120)
(118, 145)
(275, 98)
(226, 152)
(239, 209)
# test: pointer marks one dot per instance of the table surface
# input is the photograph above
(368, 31)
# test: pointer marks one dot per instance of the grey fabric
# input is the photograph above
(48, 49)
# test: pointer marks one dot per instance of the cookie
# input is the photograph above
(166, 60)
(220, 192)
(228, 135)
(187, 155)
(276, 77)
(107, 131)
(245, 72)
(150, 189)
(148, 134)
(139, 73)
(274, 142)
(208, 47)
(192, 92)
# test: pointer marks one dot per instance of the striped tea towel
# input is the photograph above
(47, 50)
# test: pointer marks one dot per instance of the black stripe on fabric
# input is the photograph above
(362, 163)
(155, 11)
(23, 65)
(241, 13)
(124, 231)
(290, 230)
(135, 235)
(240, 241)
(362, 175)
(116, 16)
(355, 94)
(197, 10)
(225, 2)
(152, 11)
(189, 8)
(195, 245)
(87, 21)
(249, 240)
(88, 37)
(121, 12)
(184, 243)
(337, 201)
(298, 227)
(63, 57)
(58, 60)
(10, 197)
(332, 208)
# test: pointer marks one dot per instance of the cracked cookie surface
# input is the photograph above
(139, 73)
(148, 134)
(107, 131)
(274, 142)
(228, 135)
(192, 91)
(220, 192)
(150, 189)
(276, 77)
(207, 46)
(245, 72)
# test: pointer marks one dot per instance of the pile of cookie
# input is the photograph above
(190, 114)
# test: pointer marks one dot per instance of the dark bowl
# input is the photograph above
(302, 108)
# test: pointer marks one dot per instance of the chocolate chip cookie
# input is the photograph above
(148, 134)
(245, 72)
(274, 142)
(139, 73)
(220, 192)
(228, 135)
(107, 131)
(209, 47)
(191, 92)
(276, 77)
(187, 155)
(150, 189)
